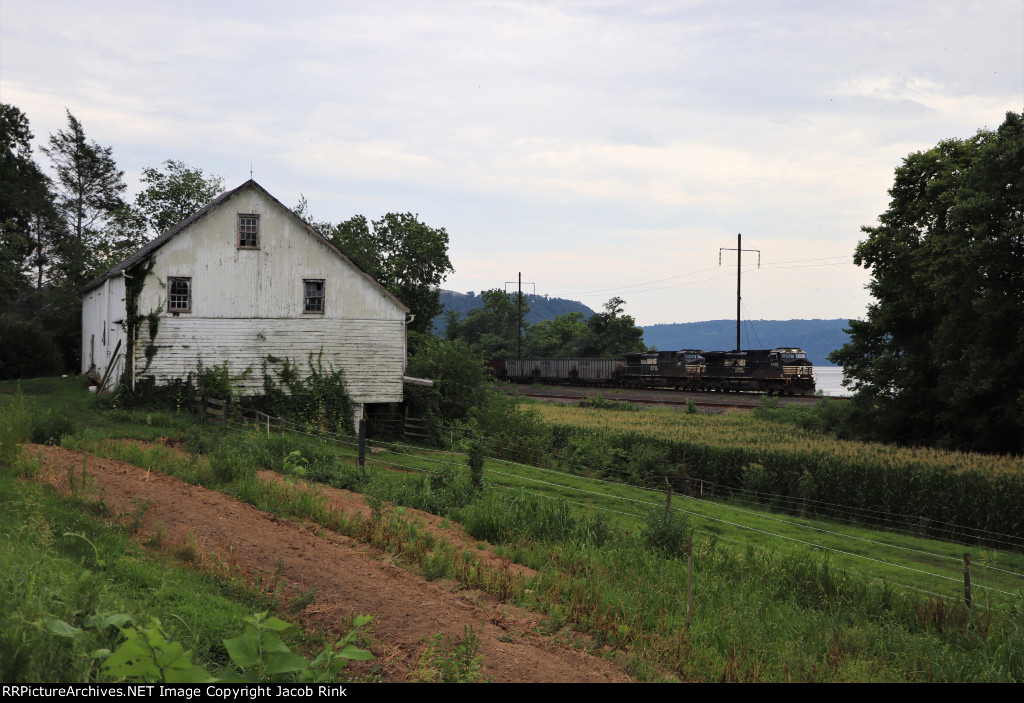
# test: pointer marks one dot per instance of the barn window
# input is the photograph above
(314, 296)
(248, 231)
(179, 295)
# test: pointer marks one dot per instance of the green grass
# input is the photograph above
(766, 606)
(874, 554)
(64, 561)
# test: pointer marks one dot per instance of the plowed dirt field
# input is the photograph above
(349, 577)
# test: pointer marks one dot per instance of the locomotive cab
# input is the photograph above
(794, 368)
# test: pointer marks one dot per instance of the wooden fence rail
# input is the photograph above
(221, 412)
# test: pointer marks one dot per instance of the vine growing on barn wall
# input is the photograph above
(134, 283)
(320, 400)
(153, 320)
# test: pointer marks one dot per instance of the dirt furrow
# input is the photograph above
(349, 578)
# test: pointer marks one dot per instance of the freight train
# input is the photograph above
(783, 370)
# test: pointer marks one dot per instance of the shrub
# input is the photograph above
(503, 517)
(666, 532)
(512, 432)
(28, 349)
(49, 426)
(459, 375)
(448, 489)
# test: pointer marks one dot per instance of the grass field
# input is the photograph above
(774, 597)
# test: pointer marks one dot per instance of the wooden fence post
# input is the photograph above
(967, 579)
(362, 442)
(689, 580)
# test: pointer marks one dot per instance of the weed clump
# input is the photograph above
(50, 426)
(451, 661)
(666, 532)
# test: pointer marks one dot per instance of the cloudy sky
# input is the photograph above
(600, 148)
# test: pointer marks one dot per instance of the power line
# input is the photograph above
(784, 263)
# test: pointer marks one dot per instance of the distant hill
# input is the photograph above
(542, 307)
(816, 337)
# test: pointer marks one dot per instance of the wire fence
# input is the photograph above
(403, 457)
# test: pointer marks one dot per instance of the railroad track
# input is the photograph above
(716, 402)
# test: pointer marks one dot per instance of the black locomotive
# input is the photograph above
(783, 370)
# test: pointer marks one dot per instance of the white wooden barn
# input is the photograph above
(242, 280)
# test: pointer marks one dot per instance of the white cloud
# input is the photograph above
(585, 142)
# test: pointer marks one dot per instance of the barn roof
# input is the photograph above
(158, 242)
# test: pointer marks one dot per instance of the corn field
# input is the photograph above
(949, 495)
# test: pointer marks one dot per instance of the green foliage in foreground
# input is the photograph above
(71, 576)
(756, 614)
(60, 563)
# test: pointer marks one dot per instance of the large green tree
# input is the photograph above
(88, 196)
(174, 193)
(27, 217)
(939, 357)
(492, 328)
(563, 336)
(611, 334)
(27, 224)
(405, 255)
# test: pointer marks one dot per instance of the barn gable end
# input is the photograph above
(242, 281)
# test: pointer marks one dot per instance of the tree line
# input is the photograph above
(498, 329)
(937, 360)
(62, 228)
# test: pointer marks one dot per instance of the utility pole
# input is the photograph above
(739, 258)
(520, 303)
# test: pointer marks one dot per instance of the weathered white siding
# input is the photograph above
(370, 352)
(231, 282)
(248, 303)
(103, 311)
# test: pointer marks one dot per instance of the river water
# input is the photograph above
(828, 380)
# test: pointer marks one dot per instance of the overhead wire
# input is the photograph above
(626, 288)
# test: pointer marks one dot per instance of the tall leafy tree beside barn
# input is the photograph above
(174, 193)
(939, 358)
(406, 255)
(88, 195)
